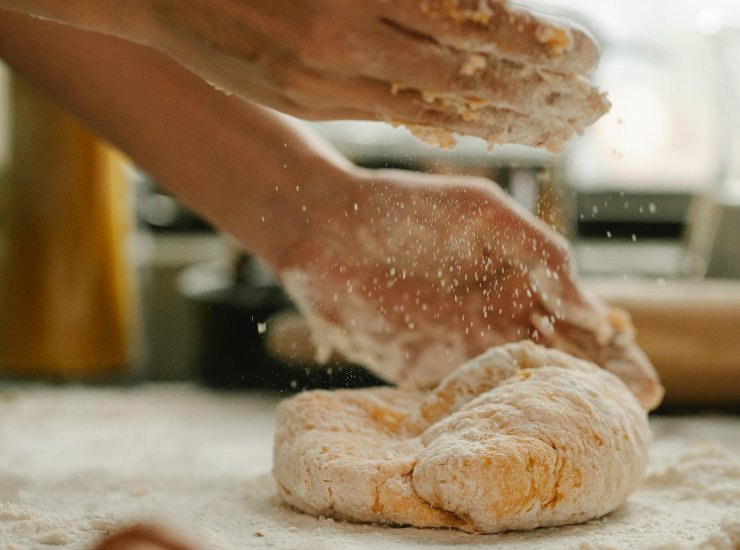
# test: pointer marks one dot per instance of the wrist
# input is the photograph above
(300, 211)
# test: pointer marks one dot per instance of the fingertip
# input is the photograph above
(586, 50)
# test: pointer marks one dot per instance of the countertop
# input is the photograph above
(78, 463)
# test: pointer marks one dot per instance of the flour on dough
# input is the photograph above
(521, 437)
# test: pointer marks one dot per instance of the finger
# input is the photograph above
(630, 364)
(546, 257)
(604, 336)
(535, 93)
(268, 97)
(433, 118)
(295, 89)
(416, 62)
(621, 356)
(305, 93)
(495, 126)
(567, 303)
(496, 27)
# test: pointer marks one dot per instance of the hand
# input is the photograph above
(412, 275)
(476, 67)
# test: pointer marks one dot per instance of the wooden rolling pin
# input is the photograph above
(691, 332)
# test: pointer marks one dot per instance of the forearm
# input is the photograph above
(236, 164)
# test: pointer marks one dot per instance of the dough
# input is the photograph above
(521, 437)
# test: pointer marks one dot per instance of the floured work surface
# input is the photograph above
(77, 463)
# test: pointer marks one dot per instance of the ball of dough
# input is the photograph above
(521, 437)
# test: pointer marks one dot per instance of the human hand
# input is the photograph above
(412, 275)
(478, 67)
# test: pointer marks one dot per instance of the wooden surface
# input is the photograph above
(691, 332)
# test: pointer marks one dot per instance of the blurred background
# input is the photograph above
(117, 282)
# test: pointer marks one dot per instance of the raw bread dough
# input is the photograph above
(521, 437)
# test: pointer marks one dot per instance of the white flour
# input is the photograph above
(78, 463)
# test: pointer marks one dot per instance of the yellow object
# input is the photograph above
(66, 304)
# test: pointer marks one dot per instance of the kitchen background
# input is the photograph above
(650, 197)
